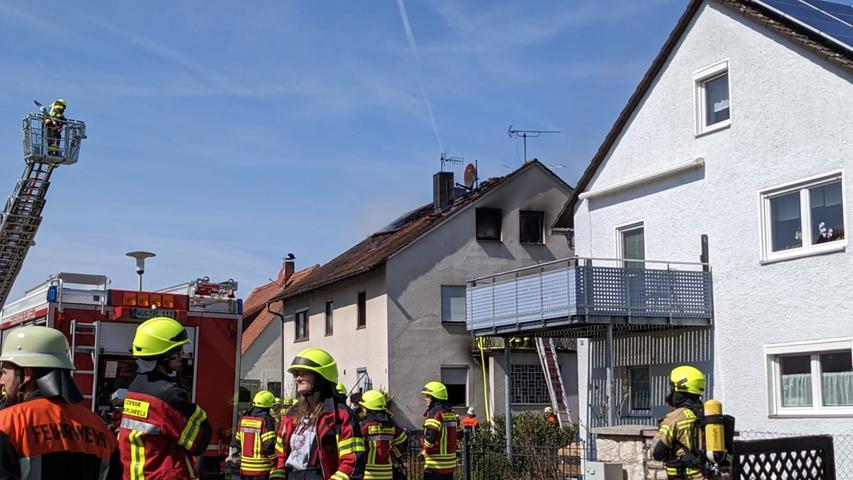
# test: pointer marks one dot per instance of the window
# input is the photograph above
(488, 224)
(531, 228)
(528, 384)
(363, 381)
(452, 304)
(803, 218)
(362, 310)
(274, 388)
(632, 244)
(712, 97)
(300, 325)
(811, 379)
(641, 393)
(330, 320)
(456, 381)
(247, 390)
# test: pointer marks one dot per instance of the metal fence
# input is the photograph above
(842, 446)
(488, 461)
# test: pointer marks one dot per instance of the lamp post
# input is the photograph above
(140, 263)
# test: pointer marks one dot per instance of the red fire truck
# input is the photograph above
(100, 323)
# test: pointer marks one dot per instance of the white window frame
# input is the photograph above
(627, 227)
(764, 197)
(305, 311)
(814, 348)
(700, 77)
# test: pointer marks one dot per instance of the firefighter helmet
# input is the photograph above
(341, 389)
(373, 400)
(264, 399)
(277, 401)
(687, 379)
(435, 390)
(60, 102)
(287, 401)
(158, 336)
(318, 361)
(37, 347)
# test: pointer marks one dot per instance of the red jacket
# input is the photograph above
(161, 430)
(341, 452)
(439, 442)
(383, 440)
(255, 439)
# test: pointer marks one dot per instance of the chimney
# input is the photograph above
(287, 268)
(442, 190)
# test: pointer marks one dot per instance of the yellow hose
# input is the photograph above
(480, 342)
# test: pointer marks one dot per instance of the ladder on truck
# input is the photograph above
(85, 355)
(554, 379)
(21, 217)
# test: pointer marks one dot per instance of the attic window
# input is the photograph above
(712, 98)
(531, 226)
(488, 224)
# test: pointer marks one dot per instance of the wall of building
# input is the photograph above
(419, 343)
(352, 348)
(790, 119)
(262, 361)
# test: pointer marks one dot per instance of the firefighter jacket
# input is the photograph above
(161, 430)
(384, 442)
(439, 442)
(46, 438)
(255, 440)
(676, 431)
(339, 449)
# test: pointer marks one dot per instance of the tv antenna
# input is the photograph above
(525, 134)
(445, 159)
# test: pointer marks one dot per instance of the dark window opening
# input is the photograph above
(488, 224)
(456, 381)
(274, 388)
(362, 310)
(531, 226)
(330, 321)
(301, 326)
(528, 384)
(641, 393)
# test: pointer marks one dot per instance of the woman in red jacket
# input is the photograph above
(319, 438)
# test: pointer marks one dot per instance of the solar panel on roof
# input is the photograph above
(832, 20)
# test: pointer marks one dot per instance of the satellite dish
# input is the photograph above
(470, 175)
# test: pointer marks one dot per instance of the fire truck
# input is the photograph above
(100, 323)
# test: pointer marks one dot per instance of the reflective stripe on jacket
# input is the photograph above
(161, 430)
(48, 439)
(340, 452)
(383, 441)
(256, 441)
(439, 442)
(676, 432)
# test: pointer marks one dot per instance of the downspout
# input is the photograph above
(280, 316)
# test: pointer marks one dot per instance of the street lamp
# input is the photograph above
(140, 263)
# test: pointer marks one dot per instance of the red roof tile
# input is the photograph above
(255, 305)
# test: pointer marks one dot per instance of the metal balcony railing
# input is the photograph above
(584, 291)
(38, 141)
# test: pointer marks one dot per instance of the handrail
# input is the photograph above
(577, 259)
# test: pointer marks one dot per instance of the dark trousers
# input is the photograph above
(437, 476)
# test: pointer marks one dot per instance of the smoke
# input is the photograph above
(410, 36)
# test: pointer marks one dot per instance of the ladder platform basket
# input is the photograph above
(45, 144)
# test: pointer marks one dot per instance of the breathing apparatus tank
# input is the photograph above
(715, 432)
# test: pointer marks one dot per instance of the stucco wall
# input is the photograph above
(262, 361)
(419, 343)
(790, 119)
(352, 348)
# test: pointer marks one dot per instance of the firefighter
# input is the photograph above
(53, 126)
(161, 429)
(255, 439)
(439, 440)
(471, 422)
(550, 417)
(676, 438)
(44, 431)
(383, 438)
(318, 438)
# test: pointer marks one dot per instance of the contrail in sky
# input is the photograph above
(410, 35)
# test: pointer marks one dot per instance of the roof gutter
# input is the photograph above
(697, 162)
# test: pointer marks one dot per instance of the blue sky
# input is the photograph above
(223, 134)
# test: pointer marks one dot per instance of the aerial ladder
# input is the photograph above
(21, 217)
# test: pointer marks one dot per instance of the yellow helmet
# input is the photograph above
(287, 401)
(318, 361)
(158, 336)
(373, 400)
(435, 390)
(37, 347)
(277, 401)
(264, 399)
(341, 389)
(687, 379)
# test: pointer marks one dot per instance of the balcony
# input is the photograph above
(497, 344)
(581, 296)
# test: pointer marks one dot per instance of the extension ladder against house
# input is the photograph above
(21, 216)
(554, 379)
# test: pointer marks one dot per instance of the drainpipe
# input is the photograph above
(280, 316)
